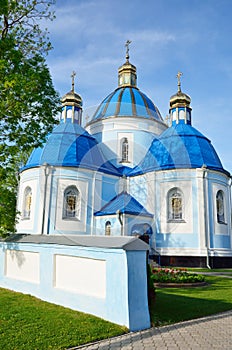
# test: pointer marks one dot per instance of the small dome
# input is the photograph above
(127, 102)
(69, 145)
(71, 97)
(180, 146)
(180, 99)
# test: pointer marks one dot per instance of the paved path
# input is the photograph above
(207, 333)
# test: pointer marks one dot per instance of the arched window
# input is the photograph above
(71, 206)
(27, 203)
(125, 150)
(175, 204)
(220, 206)
(108, 228)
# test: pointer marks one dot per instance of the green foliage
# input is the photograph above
(28, 323)
(180, 304)
(8, 190)
(175, 276)
(7, 206)
(28, 100)
(20, 20)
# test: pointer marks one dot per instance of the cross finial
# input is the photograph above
(73, 80)
(179, 74)
(128, 42)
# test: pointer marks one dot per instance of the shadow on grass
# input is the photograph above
(176, 305)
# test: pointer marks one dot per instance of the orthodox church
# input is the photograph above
(131, 173)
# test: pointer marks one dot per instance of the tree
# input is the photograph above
(28, 100)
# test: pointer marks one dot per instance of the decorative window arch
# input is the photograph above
(27, 198)
(220, 206)
(175, 204)
(71, 203)
(125, 150)
(108, 228)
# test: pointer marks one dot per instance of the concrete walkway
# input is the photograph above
(207, 333)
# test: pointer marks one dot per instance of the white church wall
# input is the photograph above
(199, 230)
(110, 188)
(47, 202)
(180, 236)
(142, 189)
(115, 289)
(220, 232)
(120, 137)
(100, 225)
(71, 225)
(30, 178)
(151, 192)
(139, 131)
(185, 225)
(220, 228)
(126, 123)
(201, 204)
(97, 191)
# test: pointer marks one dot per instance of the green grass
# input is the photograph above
(179, 304)
(227, 271)
(27, 323)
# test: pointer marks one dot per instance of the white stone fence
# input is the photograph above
(103, 276)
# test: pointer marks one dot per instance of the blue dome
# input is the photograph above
(127, 101)
(180, 146)
(69, 145)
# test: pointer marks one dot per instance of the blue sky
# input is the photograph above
(167, 36)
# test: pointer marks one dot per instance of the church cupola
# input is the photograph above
(127, 72)
(72, 106)
(180, 110)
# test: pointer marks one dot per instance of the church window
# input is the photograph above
(125, 150)
(220, 207)
(27, 203)
(71, 206)
(175, 204)
(108, 228)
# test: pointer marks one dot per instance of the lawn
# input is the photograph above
(27, 323)
(179, 304)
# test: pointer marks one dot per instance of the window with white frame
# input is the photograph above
(72, 203)
(108, 228)
(125, 150)
(27, 198)
(220, 206)
(175, 204)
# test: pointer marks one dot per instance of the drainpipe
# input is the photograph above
(229, 211)
(93, 201)
(120, 219)
(46, 173)
(123, 224)
(207, 238)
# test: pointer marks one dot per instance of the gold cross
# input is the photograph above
(73, 79)
(179, 74)
(128, 42)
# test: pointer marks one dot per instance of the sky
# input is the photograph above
(194, 37)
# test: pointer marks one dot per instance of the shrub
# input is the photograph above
(161, 275)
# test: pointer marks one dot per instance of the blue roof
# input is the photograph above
(180, 146)
(69, 145)
(124, 203)
(127, 101)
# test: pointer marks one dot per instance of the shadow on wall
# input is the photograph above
(13, 249)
